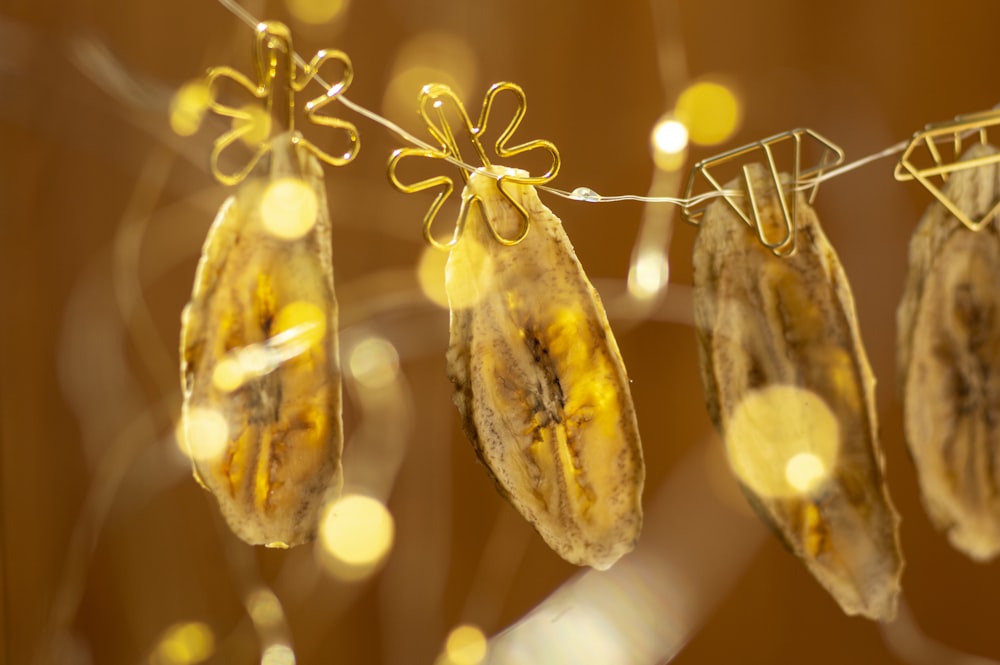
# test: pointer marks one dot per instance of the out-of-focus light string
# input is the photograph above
(579, 193)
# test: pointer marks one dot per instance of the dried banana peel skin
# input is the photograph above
(259, 357)
(949, 358)
(788, 385)
(540, 383)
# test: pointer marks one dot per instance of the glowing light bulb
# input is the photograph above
(670, 136)
(669, 139)
(288, 208)
(584, 194)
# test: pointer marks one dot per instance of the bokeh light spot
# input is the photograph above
(259, 121)
(188, 107)
(374, 363)
(648, 275)
(316, 12)
(670, 161)
(465, 645)
(430, 275)
(265, 609)
(782, 441)
(805, 471)
(669, 140)
(710, 110)
(288, 208)
(278, 654)
(430, 57)
(356, 534)
(228, 375)
(304, 319)
(205, 433)
(185, 644)
(256, 360)
(669, 136)
(469, 273)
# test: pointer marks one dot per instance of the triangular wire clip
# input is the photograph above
(746, 205)
(956, 132)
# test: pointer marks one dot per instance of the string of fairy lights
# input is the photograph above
(707, 113)
(357, 531)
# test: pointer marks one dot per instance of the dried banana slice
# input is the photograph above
(949, 361)
(788, 385)
(259, 358)
(539, 380)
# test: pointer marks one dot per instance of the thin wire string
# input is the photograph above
(580, 193)
(239, 12)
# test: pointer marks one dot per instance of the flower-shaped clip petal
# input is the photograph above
(433, 99)
(253, 125)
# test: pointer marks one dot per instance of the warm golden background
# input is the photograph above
(108, 543)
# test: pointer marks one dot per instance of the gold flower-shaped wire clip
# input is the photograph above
(273, 48)
(958, 130)
(749, 212)
(433, 99)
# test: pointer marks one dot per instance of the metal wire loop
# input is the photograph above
(276, 71)
(960, 129)
(434, 103)
(802, 179)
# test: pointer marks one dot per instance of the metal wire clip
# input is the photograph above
(434, 97)
(959, 129)
(831, 156)
(274, 44)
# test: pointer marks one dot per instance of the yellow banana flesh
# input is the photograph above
(259, 355)
(949, 358)
(788, 384)
(539, 380)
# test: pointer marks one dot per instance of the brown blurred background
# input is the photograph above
(109, 545)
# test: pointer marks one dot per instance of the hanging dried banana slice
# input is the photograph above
(259, 358)
(949, 361)
(539, 380)
(788, 384)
